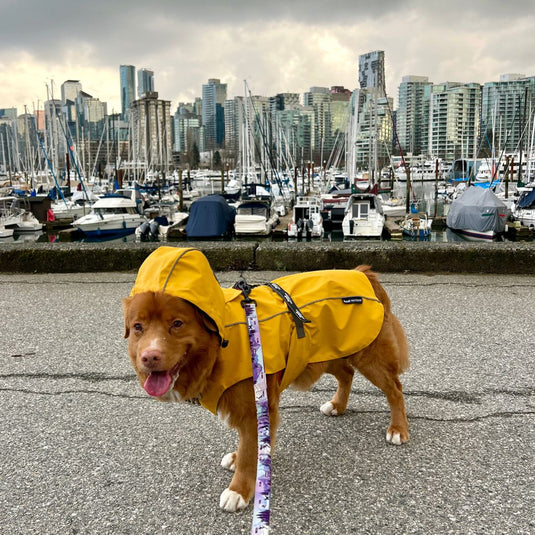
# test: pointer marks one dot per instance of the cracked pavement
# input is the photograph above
(84, 450)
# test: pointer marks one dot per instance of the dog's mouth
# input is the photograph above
(158, 384)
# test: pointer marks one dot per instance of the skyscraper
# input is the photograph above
(454, 120)
(128, 88)
(505, 111)
(151, 133)
(214, 94)
(319, 99)
(372, 70)
(412, 120)
(145, 82)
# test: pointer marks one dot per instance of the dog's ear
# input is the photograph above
(208, 322)
(126, 304)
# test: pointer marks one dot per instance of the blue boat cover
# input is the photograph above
(210, 217)
(527, 200)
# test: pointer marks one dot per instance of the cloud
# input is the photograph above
(277, 46)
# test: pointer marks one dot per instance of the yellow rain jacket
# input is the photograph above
(342, 312)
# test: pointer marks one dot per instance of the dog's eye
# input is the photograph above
(138, 327)
(177, 324)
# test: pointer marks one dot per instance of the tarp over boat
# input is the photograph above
(477, 209)
(210, 217)
(527, 200)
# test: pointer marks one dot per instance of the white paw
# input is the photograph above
(228, 461)
(328, 409)
(231, 501)
(393, 438)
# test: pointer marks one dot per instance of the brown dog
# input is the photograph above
(180, 329)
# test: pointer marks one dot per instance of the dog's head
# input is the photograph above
(172, 344)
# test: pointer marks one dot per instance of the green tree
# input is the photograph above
(217, 160)
(194, 156)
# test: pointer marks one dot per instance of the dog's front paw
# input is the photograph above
(229, 461)
(328, 409)
(231, 501)
(396, 437)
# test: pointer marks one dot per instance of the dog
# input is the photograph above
(188, 340)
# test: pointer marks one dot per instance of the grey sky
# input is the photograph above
(275, 45)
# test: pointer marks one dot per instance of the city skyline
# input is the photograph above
(279, 48)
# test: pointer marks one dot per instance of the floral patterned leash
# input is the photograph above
(260, 525)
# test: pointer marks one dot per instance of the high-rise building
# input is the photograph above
(412, 118)
(145, 82)
(294, 126)
(372, 70)
(340, 97)
(505, 109)
(92, 115)
(319, 99)
(214, 94)
(187, 129)
(151, 136)
(8, 113)
(128, 88)
(372, 133)
(454, 120)
(284, 101)
(70, 90)
(233, 122)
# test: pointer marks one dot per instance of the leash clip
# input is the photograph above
(245, 288)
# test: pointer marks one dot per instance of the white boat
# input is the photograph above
(524, 208)
(72, 208)
(5, 232)
(393, 207)
(363, 217)
(113, 214)
(417, 226)
(161, 217)
(306, 220)
(15, 214)
(255, 218)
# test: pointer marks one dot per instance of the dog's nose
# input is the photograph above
(150, 358)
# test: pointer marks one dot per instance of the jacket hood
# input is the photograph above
(184, 273)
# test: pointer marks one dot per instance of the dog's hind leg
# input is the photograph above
(343, 372)
(398, 430)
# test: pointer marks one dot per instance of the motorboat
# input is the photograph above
(364, 217)
(114, 214)
(417, 226)
(6, 232)
(15, 214)
(524, 208)
(161, 218)
(255, 218)
(68, 209)
(307, 221)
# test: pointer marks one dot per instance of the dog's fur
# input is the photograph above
(166, 332)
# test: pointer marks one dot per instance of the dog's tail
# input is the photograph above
(376, 285)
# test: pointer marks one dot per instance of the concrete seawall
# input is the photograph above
(499, 258)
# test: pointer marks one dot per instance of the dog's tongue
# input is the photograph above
(158, 383)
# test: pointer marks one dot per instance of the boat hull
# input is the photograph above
(104, 227)
(475, 235)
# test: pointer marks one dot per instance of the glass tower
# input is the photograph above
(128, 88)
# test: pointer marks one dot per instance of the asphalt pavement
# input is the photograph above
(84, 450)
